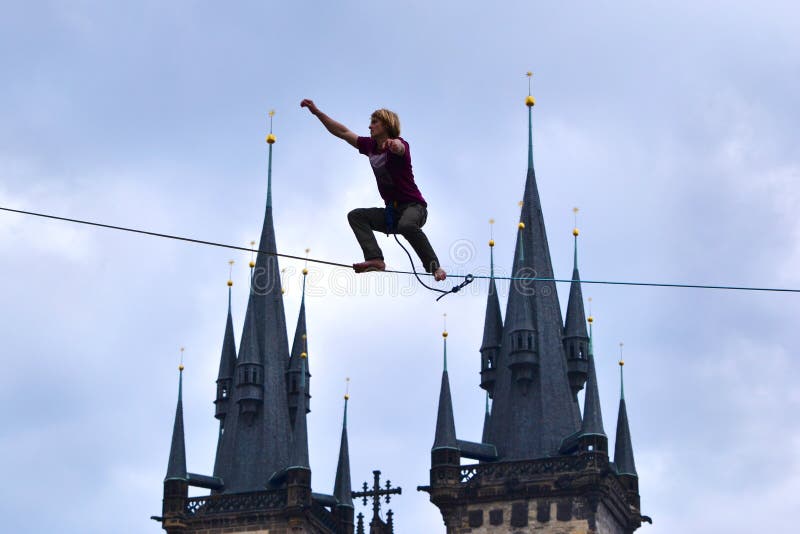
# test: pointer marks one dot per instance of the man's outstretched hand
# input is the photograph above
(308, 103)
(395, 146)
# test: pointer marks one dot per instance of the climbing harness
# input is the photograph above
(389, 216)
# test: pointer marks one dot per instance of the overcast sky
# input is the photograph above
(672, 125)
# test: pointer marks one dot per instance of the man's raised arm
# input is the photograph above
(336, 128)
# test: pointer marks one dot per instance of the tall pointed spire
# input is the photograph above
(271, 321)
(623, 447)
(592, 414)
(342, 484)
(445, 423)
(530, 102)
(223, 403)
(575, 338)
(298, 456)
(530, 418)
(299, 453)
(299, 346)
(270, 141)
(176, 467)
(227, 361)
(258, 430)
(575, 321)
(492, 328)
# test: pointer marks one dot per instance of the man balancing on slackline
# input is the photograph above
(406, 211)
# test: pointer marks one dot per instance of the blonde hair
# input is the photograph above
(390, 121)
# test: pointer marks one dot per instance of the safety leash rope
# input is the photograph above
(468, 279)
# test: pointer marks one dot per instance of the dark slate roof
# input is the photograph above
(445, 422)
(242, 465)
(592, 415)
(255, 451)
(493, 323)
(272, 329)
(250, 348)
(483, 452)
(623, 448)
(342, 486)
(520, 315)
(176, 467)
(299, 345)
(227, 370)
(575, 321)
(298, 456)
(487, 421)
(533, 425)
(227, 360)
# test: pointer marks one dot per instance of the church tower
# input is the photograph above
(541, 465)
(261, 481)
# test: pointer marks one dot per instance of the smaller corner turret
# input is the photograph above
(227, 366)
(445, 473)
(298, 473)
(295, 378)
(492, 331)
(249, 370)
(623, 446)
(576, 340)
(342, 491)
(523, 357)
(592, 434)
(176, 482)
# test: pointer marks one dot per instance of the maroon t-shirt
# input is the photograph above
(392, 172)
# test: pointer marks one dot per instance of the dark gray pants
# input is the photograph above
(409, 220)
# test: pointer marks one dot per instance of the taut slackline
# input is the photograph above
(346, 266)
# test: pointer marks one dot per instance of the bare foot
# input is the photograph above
(369, 265)
(439, 274)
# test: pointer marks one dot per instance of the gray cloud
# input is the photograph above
(673, 127)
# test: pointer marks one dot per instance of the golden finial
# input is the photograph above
(303, 355)
(271, 137)
(252, 251)
(520, 203)
(230, 273)
(444, 320)
(529, 100)
(305, 267)
(491, 232)
(590, 318)
(575, 231)
(621, 361)
(283, 289)
(521, 225)
(347, 388)
(180, 367)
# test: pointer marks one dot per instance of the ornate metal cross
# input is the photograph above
(375, 493)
